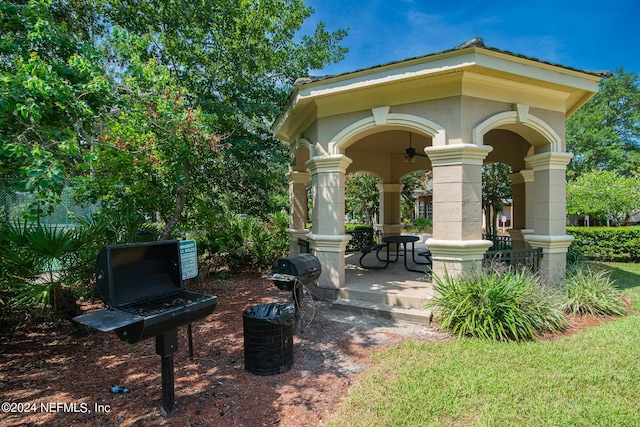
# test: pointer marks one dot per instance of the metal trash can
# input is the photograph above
(268, 338)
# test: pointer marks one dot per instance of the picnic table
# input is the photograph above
(397, 240)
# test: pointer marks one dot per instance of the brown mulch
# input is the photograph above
(63, 376)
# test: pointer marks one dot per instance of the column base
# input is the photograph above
(330, 251)
(294, 235)
(518, 237)
(454, 257)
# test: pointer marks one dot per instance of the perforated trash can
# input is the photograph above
(268, 338)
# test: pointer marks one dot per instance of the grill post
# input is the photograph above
(298, 295)
(166, 347)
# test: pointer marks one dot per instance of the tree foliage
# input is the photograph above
(415, 181)
(362, 196)
(496, 189)
(52, 90)
(239, 57)
(130, 95)
(603, 195)
(605, 133)
(239, 60)
(157, 150)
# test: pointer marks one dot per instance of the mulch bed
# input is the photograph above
(62, 376)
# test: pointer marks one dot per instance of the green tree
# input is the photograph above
(239, 60)
(158, 150)
(52, 93)
(410, 183)
(496, 188)
(603, 195)
(234, 62)
(605, 133)
(362, 197)
(239, 57)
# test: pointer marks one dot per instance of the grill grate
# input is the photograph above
(155, 306)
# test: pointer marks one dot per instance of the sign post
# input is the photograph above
(189, 265)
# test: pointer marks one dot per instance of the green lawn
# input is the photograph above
(588, 379)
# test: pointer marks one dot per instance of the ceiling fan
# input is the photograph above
(410, 152)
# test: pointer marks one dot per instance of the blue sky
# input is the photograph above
(586, 35)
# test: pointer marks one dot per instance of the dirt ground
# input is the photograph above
(63, 377)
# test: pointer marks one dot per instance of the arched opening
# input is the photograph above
(362, 198)
(301, 151)
(509, 148)
(497, 198)
(390, 154)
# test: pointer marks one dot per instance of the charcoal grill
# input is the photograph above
(292, 273)
(144, 295)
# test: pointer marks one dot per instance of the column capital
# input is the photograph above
(516, 178)
(329, 163)
(527, 175)
(523, 176)
(298, 232)
(549, 161)
(329, 243)
(297, 177)
(390, 188)
(458, 154)
(550, 244)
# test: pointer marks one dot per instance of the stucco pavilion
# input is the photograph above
(463, 108)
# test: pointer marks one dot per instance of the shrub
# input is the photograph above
(423, 222)
(46, 267)
(420, 225)
(586, 291)
(607, 243)
(497, 305)
(361, 235)
(574, 255)
(238, 241)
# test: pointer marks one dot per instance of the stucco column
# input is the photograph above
(550, 217)
(457, 244)
(298, 212)
(328, 238)
(390, 221)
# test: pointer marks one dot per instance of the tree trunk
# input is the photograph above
(487, 219)
(177, 213)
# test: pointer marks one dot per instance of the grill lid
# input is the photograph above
(129, 273)
(303, 267)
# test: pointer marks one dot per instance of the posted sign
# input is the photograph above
(188, 259)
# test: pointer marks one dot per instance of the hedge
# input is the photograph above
(607, 243)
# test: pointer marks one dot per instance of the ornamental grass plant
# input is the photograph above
(498, 304)
(589, 291)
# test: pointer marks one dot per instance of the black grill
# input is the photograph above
(143, 292)
(302, 268)
(291, 274)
